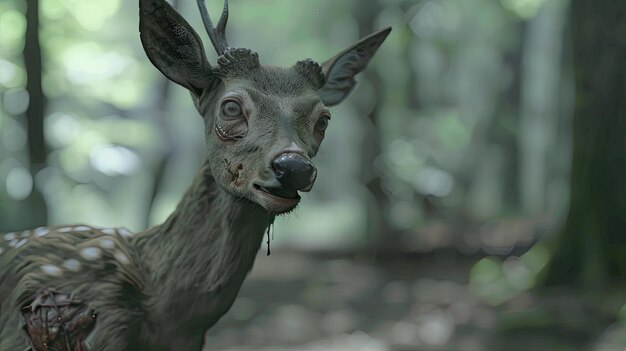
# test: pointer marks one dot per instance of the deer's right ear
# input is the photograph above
(172, 45)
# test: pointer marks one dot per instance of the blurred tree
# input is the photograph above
(591, 246)
(381, 234)
(539, 138)
(35, 204)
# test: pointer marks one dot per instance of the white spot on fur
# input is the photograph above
(91, 253)
(82, 228)
(107, 243)
(120, 257)
(124, 232)
(41, 231)
(51, 270)
(9, 236)
(65, 230)
(72, 265)
(108, 231)
(20, 243)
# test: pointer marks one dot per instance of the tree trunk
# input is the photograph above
(36, 206)
(380, 233)
(591, 247)
(538, 133)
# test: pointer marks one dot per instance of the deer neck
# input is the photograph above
(200, 256)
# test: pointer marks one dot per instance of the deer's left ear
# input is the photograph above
(341, 69)
(173, 46)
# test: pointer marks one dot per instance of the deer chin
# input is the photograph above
(276, 200)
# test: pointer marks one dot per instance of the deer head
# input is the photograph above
(263, 124)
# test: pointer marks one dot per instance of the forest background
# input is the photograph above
(471, 191)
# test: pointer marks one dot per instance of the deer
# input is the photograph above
(79, 287)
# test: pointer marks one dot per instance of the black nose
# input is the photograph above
(294, 171)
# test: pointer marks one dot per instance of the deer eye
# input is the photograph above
(231, 123)
(322, 124)
(232, 109)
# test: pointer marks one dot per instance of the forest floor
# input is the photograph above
(295, 301)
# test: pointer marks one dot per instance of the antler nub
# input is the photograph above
(217, 35)
(236, 62)
(312, 71)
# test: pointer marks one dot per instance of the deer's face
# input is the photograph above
(261, 138)
(263, 124)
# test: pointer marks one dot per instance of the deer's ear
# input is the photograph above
(172, 45)
(341, 69)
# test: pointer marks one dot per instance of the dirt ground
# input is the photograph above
(295, 301)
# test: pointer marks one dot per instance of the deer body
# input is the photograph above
(160, 289)
(82, 288)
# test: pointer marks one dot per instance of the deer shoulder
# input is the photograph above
(62, 283)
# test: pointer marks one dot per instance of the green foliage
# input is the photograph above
(496, 282)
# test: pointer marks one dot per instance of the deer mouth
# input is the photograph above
(275, 199)
(280, 193)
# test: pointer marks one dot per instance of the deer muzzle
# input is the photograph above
(294, 171)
